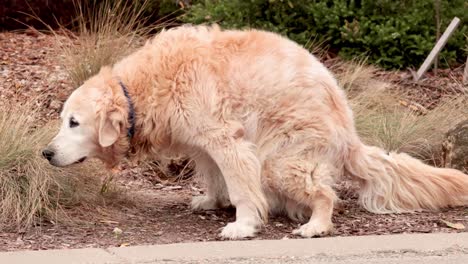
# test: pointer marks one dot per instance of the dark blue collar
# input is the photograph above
(131, 111)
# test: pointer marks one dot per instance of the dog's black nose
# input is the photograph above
(48, 154)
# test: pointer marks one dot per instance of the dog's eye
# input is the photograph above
(73, 122)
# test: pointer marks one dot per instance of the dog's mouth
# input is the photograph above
(80, 160)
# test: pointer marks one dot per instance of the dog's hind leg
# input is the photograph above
(306, 183)
(320, 223)
(216, 191)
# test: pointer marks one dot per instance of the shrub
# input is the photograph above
(393, 34)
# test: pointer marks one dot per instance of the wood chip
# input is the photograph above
(458, 226)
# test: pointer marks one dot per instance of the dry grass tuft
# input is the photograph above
(382, 121)
(407, 131)
(356, 76)
(28, 188)
(31, 190)
(104, 34)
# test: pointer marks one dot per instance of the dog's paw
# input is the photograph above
(200, 203)
(237, 230)
(314, 229)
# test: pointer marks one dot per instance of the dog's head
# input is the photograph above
(93, 124)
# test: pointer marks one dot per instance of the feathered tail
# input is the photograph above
(396, 182)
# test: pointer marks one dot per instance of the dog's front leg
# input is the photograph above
(236, 158)
(241, 170)
(216, 191)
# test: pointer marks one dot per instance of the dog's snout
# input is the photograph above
(48, 154)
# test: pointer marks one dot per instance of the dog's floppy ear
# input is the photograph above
(110, 126)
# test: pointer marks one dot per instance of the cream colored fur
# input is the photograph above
(264, 120)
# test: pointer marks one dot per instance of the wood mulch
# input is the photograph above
(160, 215)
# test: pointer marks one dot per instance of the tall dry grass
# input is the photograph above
(27, 186)
(103, 34)
(382, 121)
(31, 190)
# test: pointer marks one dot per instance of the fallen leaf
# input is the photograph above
(124, 245)
(458, 226)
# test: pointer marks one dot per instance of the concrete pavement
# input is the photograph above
(410, 248)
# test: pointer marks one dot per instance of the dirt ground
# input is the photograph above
(158, 212)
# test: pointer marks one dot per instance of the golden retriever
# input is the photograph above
(265, 122)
